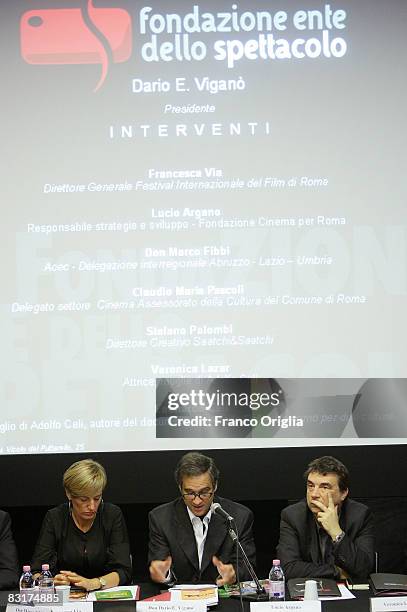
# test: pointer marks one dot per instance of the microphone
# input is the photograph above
(260, 594)
(217, 509)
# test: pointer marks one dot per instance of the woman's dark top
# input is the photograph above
(101, 550)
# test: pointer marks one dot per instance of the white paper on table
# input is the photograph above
(178, 593)
(191, 587)
(345, 594)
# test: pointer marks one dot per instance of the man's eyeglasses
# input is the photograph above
(202, 495)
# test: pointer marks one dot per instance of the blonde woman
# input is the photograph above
(85, 540)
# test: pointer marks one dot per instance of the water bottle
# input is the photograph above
(26, 584)
(27, 587)
(26, 580)
(45, 580)
(276, 582)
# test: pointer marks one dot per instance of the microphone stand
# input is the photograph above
(261, 593)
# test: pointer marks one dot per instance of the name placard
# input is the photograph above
(171, 606)
(386, 604)
(285, 606)
(70, 606)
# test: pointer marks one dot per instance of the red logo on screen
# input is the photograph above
(76, 36)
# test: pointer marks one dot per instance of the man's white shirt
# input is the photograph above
(200, 527)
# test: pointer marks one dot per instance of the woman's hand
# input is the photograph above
(60, 580)
(89, 584)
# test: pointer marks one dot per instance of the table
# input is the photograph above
(360, 604)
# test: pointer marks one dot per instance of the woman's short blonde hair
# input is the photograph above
(84, 477)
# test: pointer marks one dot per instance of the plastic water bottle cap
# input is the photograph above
(45, 566)
(26, 568)
(276, 561)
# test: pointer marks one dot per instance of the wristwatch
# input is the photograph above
(338, 538)
(102, 583)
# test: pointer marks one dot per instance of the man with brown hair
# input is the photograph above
(188, 542)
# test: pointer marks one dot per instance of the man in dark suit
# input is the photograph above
(8, 554)
(188, 542)
(327, 535)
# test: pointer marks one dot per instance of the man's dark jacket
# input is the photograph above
(8, 554)
(171, 533)
(299, 550)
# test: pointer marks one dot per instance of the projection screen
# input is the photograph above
(213, 191)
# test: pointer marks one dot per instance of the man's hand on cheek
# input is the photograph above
(328, 518)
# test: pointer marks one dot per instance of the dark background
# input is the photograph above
(265, 480)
